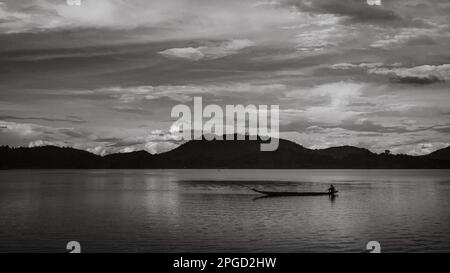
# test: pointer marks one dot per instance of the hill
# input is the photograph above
(442, 154)
(236, 154)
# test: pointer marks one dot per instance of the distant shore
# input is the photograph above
(202, 154)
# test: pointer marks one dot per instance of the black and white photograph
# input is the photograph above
(225, 126)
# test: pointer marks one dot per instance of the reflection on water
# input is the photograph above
(216, 211)
(331, 197)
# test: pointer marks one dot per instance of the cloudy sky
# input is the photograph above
(105, 75)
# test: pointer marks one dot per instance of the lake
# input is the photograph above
(216, 211)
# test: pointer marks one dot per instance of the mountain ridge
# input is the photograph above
(237, 154)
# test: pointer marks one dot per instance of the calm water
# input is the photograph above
(215, 211)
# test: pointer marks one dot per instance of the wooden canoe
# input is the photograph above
(290, 193)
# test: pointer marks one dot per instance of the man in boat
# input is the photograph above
(332, 189)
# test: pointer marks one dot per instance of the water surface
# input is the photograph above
(216, 211)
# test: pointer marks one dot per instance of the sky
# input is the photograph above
(105, 75)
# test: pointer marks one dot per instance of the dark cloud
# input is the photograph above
(430, 79)
(442, 129)
(362, 104)
(421, 41)
(418, 75)
(370, 126)
(71, 119)
(73, 133)
(132, 110)
(419, 141)
(358, 11)
(125, 143)
(108, 139)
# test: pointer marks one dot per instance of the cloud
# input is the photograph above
(424, 74)
(185, 53)
(416, 80)
(161, 19)
(422, 148)
(322, 38)
(70, 119)
(365, 125)
(347, 66)
(48, 14)
(208, 52)
(443, 129)
(40, 143)
(33, 135)
(414, 143)
(157, 141)
(160, 147)
(410, 36)
(179, 93)
(333, 99)
(20, 134)
(12, 20)
(132, 110)
(132, 94)
(123, 64)
(356, 11)
(422, 40)
(360, 125)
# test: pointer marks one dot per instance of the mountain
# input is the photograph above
(48, 157)
(134, 160)
(442, 154)
(344, 151)
(235, 154)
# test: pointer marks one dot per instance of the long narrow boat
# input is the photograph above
(289, 193)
